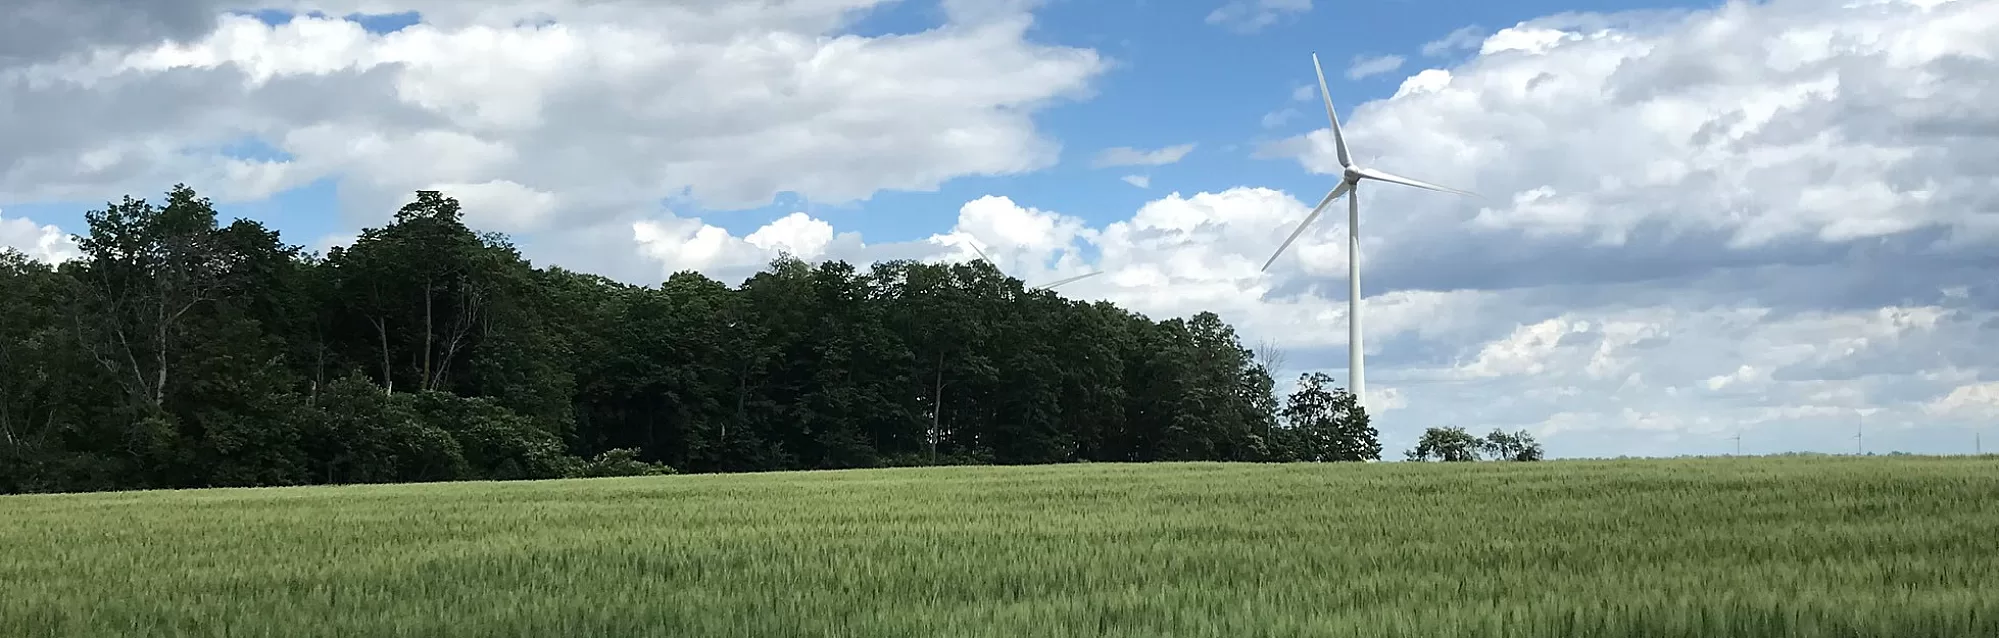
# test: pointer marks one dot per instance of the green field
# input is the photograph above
(1903, 547)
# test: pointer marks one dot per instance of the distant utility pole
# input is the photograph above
(1738, 443)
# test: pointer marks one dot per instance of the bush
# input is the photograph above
(619, 462)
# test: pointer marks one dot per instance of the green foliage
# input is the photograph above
(183, 352)
(361, 434)
(617, 462)
(1514, 446)
(1325, 424)
(496, 443)
(251, 451)
(1727, 548)
(1451, 444)
(1457, 445)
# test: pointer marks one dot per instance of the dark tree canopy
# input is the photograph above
(1325, 424)
(1455, 444)
(182, 352)
(1452, 444)
(1512, 446)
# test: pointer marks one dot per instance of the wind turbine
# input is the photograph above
(1351, 175)
(982, 255)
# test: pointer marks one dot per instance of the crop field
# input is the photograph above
(1697, 548)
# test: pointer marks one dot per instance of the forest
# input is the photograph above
(182, 352)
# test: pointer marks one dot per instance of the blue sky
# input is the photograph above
(1770, 218)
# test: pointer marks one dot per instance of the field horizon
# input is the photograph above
(1722, 546)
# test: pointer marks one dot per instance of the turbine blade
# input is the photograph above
(1339, 139)
(1392, 178)
(982, 254)
(1335, 194)
(1064, 281)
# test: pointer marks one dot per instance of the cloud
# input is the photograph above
(670, 244)
(1808, 138)
(1278, 117)
(1300, 93)
(38, 241)
(42, 30)
(1250, 16)
(1371, 65)
(1462, 39)
(602, 105)
(1140, 181)
(1128, 156)
(796, 234)
(1977, 401)
(502, 205)
(1033, 244)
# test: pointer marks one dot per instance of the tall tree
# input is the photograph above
(424, 285)
(1327, 424)
(146, 268)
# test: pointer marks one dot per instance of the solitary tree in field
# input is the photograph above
(1514, 446)
(1328, 424)
(1446, 444)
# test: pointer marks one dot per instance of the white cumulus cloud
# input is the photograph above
(44, 242)
(602, 105)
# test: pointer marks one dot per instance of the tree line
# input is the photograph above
(181, 352)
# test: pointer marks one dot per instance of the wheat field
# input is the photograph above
(1696, 548)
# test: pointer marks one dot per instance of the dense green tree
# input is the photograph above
(49, 391)
(147, 273)
(1512, 446)
(495, 442)
(181, 352)
(359, 434)
(1325, 424)
(1446, 444)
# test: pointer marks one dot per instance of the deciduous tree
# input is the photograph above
(1446, 444)
(1327, 424)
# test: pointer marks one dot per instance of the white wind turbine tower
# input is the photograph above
(1350, 177)
(982, 255)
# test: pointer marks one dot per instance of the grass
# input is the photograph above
(1899, 547)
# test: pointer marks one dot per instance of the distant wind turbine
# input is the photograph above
(982, 255)
(1350, 177)
(1860, 427)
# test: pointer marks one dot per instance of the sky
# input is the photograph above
(1767, 224)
